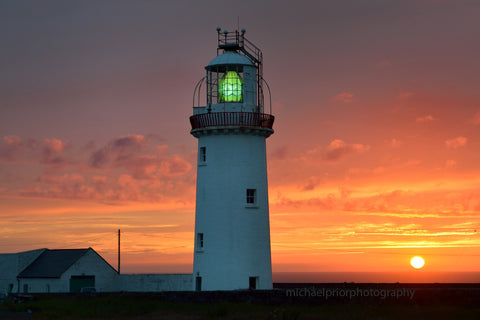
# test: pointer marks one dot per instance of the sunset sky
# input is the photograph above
(375, 156)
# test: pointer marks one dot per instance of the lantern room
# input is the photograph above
(231, 83)
(233, 78)
(230, 95)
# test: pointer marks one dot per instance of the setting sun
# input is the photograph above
(417, 262)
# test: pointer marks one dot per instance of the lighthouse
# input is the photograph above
(232, 123)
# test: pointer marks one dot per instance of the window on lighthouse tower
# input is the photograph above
(203, 155)
(251, 196)
(200, 240)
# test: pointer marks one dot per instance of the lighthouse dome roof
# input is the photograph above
(229, 58)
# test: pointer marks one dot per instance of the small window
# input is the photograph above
(200, 240)
(202, 157)
(251, 196)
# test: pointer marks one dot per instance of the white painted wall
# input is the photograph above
(11, 264)
(106, 278)
(90, 264)
(107, 282)
(236, 235)
(155, 282)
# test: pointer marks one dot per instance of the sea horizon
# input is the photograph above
(377, 277)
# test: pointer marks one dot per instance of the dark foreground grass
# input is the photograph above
(156, 307)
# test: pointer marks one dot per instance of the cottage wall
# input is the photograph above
(40, 285)
(11, 264)
(106, 278)
(90, 264)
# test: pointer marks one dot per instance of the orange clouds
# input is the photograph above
(476, 118)
(404, 95)
(456, 143)
(365, 219)
(375, 146)
(118, 151)
(394, 143)
(337, 149)
(9, 147)
(426, 118)
(384, 63)
(403, 202)
(49, 152)
(65, 186)
(450, 164)
(344, 97)
(175, 166)
(130, 168)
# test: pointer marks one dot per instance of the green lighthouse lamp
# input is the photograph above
(230, 87)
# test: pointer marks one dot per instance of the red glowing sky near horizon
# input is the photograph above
(375, 156)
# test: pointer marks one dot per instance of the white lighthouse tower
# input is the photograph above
(232, 231)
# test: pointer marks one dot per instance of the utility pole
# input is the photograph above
(118, 251)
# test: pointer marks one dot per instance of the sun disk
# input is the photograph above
(417, 262)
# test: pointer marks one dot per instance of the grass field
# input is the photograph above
(194, 306)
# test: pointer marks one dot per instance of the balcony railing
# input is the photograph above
(232, 119)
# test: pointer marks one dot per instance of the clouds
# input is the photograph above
(9, 148)
(450, 164)
(456, 143)
(335, 150)
(378, 115)
(64, 186)
(49, 152)
(404, 95)
(384, 63)
(403, 202)
(118, 151)
(138, 157)
(394, 142)
(338, 149)
(427, 118)
(476, 118)
(128, 168)
(344, 97)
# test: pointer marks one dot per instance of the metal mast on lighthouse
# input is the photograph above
(232, 231)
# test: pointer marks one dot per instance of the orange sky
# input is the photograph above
(375, 156)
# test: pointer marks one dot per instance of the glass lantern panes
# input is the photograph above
(225, 85)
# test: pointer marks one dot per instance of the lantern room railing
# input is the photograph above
(232, 119)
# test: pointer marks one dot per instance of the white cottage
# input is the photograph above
(70, 270)
(64, 270)
(11, 264)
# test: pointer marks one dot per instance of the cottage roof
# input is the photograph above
(52, 263)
